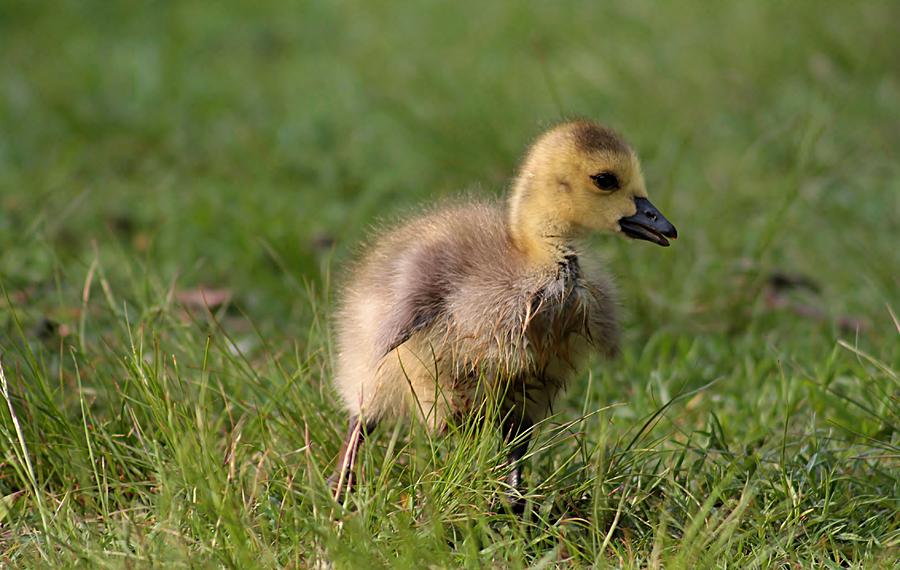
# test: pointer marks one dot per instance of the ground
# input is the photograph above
(182, 183)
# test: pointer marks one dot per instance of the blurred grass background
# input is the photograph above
(152, 151)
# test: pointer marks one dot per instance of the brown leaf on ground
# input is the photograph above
(777, 296)
(201, 297)
(22, 296)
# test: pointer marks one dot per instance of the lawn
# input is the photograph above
(181, 185)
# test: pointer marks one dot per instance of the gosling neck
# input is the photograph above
(535, 226)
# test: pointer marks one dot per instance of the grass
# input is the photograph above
(149, 150)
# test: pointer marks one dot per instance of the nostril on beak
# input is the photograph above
(651, 214)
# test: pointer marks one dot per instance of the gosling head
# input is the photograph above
(582, 177)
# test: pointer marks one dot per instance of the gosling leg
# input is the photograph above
(517, 433)
(341, 480)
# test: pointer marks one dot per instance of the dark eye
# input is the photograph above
(606, 181)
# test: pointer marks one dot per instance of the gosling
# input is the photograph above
(479, 300)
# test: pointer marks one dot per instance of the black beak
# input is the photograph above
(648, 223)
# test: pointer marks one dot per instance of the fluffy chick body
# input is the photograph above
(447, 309)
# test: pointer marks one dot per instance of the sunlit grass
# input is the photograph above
(180, 185)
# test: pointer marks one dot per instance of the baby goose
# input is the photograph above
(478, 300)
